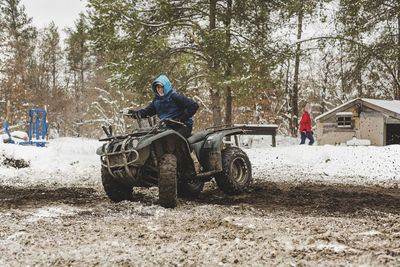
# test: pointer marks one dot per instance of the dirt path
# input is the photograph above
(272, 224)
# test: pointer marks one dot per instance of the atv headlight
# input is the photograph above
(99, 150)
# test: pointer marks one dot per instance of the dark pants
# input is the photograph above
(308, 135)
(186, 131)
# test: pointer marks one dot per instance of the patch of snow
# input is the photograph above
(64, 162)
(358, 142)
(16, 235)
(333, 164)
(344, 114)
(52, 212)
(392, 105)
(332, 246)
(335, 109)
(370, 233)
(19, 134)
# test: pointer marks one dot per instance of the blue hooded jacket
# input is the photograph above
(171, 105)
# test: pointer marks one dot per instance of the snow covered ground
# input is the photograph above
(64, 162)
(357, 165)
(73, 162)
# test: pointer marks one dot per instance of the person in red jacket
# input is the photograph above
(305, 126)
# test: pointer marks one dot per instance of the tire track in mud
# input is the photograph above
(304, 198)
(16, 197)
(311, 197)
(271, 224)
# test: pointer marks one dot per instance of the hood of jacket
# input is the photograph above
(167, 85)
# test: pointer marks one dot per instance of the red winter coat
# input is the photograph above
(305, 122)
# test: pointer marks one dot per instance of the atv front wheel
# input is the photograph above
(114, 189)
(236, 171)
(190, 189)
(167, 184)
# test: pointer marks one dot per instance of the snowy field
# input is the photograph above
(356, 165)
(73, 162)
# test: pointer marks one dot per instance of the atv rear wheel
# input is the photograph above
(114, 189)
(167, 184)
(236, 174)
(190, 189)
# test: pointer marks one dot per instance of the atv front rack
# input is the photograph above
(139, 132)
(107, 158)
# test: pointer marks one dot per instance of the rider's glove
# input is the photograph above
(133, 113)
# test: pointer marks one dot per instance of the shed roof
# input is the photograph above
(388, 105)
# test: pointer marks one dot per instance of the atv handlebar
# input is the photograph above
(125, 112)
(144, 130)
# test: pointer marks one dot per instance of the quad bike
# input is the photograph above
(159, 156)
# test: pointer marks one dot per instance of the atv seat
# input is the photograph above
(198, 136)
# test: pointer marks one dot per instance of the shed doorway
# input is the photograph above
(392, 134)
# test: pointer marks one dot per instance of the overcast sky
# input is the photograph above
(63, 12)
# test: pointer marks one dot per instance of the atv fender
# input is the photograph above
(168, 142)
(144, 142)
(215, 140)
(210, 154)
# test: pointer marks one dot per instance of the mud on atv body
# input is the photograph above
(160, 156)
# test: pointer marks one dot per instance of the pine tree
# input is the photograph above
(142, 39)
(300, 10)
(375, 61)
(17, 54)
(79, 62)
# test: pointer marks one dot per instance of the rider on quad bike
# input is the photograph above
(168, 104)
(168, 156)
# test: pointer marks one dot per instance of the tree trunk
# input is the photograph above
(324, 87)
(228, 115)
(397, 83)
(228, 71)
(288, 95)
(214, 92)
(295, 91)
(359, 74)
(343, 81)
(54, 76)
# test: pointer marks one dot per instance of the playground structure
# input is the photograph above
(37, 128)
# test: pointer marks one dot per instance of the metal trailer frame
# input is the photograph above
(37, 129)
(258, 129)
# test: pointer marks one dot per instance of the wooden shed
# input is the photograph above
(362, 118)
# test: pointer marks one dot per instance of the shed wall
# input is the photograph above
(372, 127)
(329, 134)
(369, 125)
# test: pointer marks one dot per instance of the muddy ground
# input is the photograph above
(272, 224)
